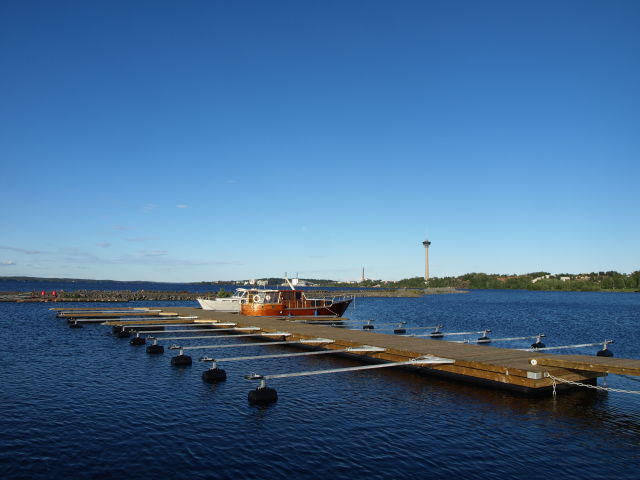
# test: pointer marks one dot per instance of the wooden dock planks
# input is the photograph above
(179, 321)
(621, 366)
(508, 368)
(89, 309)
(115, 314)
(498, 367)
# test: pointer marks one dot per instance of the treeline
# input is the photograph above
(588, 282)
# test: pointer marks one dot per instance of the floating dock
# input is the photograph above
(527, 372)
(99, 316)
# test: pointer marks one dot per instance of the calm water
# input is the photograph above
(84, 404)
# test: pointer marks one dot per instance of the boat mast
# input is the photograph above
(285, 277)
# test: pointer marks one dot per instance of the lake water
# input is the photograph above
(80, 403)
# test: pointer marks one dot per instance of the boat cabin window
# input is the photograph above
(263, 297)
(292, 295)
(270, 297)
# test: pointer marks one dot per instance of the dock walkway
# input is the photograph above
(497, 367)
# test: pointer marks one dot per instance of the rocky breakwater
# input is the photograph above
(150, 295)
(99, 296)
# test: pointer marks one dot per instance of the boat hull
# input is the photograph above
(219, 305)
(334, 309)
(263, 309)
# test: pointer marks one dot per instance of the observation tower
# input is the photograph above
(426, 244)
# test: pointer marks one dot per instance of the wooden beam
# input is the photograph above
(116, 314)
(619, 366)
(146, 322)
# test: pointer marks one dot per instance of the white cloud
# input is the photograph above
(77, 258)
(120, 228)
(182, 205)
(20, 250)
(152, 253)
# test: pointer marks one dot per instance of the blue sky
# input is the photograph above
(206, 140)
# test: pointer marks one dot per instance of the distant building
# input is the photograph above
(540, 278)
(544, 277)
(298, 282)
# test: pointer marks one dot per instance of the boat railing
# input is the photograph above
(300, 303)
(334, 299)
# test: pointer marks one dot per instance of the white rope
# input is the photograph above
(578, 384)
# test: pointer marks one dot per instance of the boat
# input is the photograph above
(226, 304)
(294, 303)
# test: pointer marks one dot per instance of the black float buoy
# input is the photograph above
(400, 330)
(437, 333)
(214, 374)
(123, 334)
(154, 348)
(484, 338)
(181, 360)
(138, 340)
(75, 325)
(605, 352)
(538, 343)
(117, 329)
(263, 395)
(367, 326)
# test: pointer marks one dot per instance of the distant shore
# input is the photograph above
(138, 295)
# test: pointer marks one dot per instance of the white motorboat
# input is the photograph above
(225, 304)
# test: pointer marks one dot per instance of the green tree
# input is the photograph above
(618, 282)
(606, 282)
(222, 293)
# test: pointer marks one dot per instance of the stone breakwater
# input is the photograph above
(150, 295)
(99, 296)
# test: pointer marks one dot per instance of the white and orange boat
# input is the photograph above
(294, 303)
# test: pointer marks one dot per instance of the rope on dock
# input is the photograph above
(578, 384)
